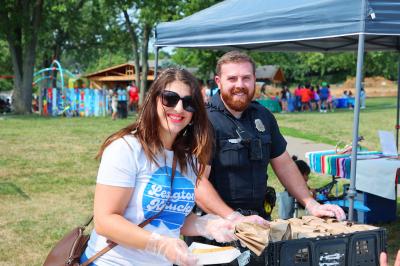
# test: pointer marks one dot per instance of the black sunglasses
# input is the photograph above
(171, 99)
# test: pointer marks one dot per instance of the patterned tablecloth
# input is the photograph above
(375, 174)
(328, 162)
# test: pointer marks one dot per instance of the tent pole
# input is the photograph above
(156, 62)
(352, 190)
(398, 103)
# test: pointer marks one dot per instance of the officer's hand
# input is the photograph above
(325, 210)
(383, 260)
(237, 217)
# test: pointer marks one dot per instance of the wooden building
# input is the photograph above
(271, 73)
(110, 77)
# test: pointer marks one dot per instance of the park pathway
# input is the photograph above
(298, 146)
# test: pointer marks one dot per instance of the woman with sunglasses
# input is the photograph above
(134, 180)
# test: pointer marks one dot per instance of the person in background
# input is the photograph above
(134, 180)
(324, 94)
(285, 95)
(247, 139)
(208, 90)
(213, 91)
(287, 204)
(133, 92)
(314, 99)
(205, 91)
(263, 92)
(291, 102)
(363, 97)
(350, 100)
(305, 98)
(122, 102)
(330, 101)
(305, 171)
(35, 103)
(114, 104)
(318, 92)
(297, 99)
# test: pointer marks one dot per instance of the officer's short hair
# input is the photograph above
(234, 57)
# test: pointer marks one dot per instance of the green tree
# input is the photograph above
(310, 67)
(59, 29)
(139, 18)
(79, 33)
(101, 39)
(20, 23)
(381, 63)
(5, 67)
(203, 60)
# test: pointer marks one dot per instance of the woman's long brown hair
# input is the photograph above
(195, 140)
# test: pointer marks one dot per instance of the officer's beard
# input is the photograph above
(240, 103)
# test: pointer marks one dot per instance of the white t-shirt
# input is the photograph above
(126, 165)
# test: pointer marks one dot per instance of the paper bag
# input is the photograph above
(254, 236)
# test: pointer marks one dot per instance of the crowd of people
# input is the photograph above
(304, 98)
(311, 98)
(123, 100)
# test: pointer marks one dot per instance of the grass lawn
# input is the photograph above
(48, 171)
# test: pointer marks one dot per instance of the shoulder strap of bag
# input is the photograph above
(112, 244)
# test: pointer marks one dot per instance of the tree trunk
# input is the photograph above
(23, 52)
(134, 44)
(14, 45)
(144, 57)
(27, 80)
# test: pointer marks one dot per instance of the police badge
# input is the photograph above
(259, 125)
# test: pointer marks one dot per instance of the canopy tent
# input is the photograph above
(293, 25)
(290, 25)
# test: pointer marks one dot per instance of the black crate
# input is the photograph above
(355, 249)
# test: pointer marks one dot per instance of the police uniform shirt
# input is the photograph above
(238, 168)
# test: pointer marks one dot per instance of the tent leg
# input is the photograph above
(398, 104)
(156, 62)
(352, 190)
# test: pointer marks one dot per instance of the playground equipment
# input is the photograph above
(67, 101)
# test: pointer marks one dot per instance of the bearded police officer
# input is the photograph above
(247, 139)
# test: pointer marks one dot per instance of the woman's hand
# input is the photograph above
(237, 217)
(215, 227)
(174, 249)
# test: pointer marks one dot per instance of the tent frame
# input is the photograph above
(359, 77)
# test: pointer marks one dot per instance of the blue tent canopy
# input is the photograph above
(287, 25)
(294, 25)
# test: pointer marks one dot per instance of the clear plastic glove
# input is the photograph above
(329, 210)
(174, 249)
(237, 217)
(215, 227)
(383, 259)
